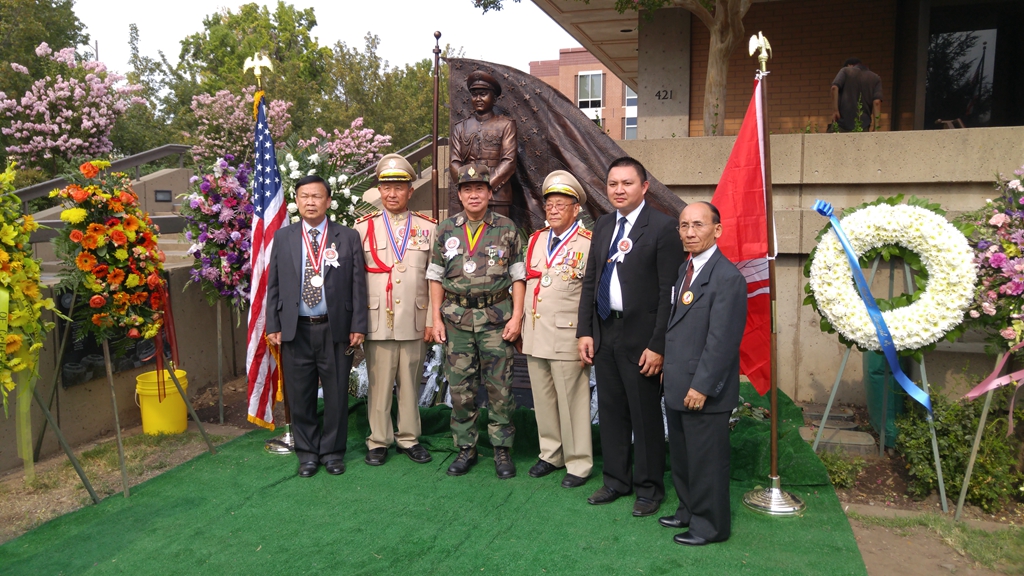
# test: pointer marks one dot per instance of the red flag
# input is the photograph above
(740, 197)
(268, 216)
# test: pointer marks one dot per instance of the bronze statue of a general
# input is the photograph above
(488, 139)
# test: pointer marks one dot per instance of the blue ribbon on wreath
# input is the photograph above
(884, 337)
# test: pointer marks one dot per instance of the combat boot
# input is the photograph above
(465, 460)
(503, 465)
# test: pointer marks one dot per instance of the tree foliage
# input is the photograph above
(24, 24)
(950, 82)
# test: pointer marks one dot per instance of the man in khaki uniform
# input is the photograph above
(556, 261)
(396, 246)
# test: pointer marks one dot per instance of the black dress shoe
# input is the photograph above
(672, 522)
(463, 462)
(645, 507)
(335, 467)
(307, 469)
(503, 465)
(572, 481)
(542, 468)
(417, 453)
(376, 456)
(604, 495)
(689, 539)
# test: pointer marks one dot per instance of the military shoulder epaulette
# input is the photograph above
(368, 216)
(585, 233)
(425, 217)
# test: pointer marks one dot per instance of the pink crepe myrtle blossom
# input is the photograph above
(226, 123)
(67, 114)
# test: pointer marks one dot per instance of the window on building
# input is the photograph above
(589, 90)
(630, 97)
(629, 133)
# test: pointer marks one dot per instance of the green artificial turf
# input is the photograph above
(244, 511)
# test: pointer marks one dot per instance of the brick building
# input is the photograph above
(590, 85)
(903, 41)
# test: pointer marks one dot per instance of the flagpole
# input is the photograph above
(771, 500)
(433, 145)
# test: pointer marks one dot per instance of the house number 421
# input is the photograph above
(663, 95)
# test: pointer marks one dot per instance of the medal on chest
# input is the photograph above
(316, 259)
(472, 242)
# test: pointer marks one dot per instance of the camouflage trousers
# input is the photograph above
(472, 357)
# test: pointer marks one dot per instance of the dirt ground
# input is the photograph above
(879, 492)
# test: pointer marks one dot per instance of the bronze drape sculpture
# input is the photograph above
(553, 134)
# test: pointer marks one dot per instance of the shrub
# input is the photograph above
(842, 470)
(996, 476)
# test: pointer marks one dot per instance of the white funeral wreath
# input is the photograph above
(944, 252)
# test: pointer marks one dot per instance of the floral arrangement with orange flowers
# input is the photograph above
(23, 332)
(109, 248)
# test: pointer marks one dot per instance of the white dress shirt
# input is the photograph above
(615, 296)
(700, 260)
(321, 308)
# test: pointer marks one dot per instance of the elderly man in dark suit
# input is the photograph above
(624, 306)
(316, 312)
(702, 377)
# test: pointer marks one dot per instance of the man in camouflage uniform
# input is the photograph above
(476, 259)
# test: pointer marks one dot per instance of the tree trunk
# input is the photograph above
(723, 41)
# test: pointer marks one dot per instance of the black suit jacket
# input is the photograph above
(344, 285)
(703, 338)
(646, 275)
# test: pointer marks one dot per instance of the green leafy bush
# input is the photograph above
(842, 470)
(997, 471)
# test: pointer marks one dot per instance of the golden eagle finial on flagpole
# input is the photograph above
(759, 42)
(257, 62)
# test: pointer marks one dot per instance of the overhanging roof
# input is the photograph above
(611, 37)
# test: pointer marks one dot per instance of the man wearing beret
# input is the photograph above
(556, 263)
(485, 138)
(476, 259)
(396, 247)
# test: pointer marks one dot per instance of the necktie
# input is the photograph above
(311, 295)
(554, 242)
(687, 278)
(604, 288)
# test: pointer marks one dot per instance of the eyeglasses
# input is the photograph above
(697, 226)
(558, 206)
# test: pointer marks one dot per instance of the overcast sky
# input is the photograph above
(517, 35)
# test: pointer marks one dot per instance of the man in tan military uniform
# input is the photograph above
(556, 261)
(396, 246)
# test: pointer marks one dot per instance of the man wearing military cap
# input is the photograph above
(555, 265)
(476, 259)
(485, 138)
(396, 246)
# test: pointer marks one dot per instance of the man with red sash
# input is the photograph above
(396, 247)
(555, 265)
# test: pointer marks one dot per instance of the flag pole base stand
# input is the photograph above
(283, 444)
(774, 501)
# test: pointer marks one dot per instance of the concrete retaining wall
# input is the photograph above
(955, 168)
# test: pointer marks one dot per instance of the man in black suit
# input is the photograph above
(316, 312)
(702, 377)
(624, 308)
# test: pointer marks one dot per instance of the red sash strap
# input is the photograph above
(381, 267)
(531, 273)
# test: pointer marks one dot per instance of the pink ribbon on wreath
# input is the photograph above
(994, 381)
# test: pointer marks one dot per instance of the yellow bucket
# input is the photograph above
(169, 416)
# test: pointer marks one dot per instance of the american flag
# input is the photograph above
(268, 216)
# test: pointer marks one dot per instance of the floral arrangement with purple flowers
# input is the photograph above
(997, 234)
(218, 216)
